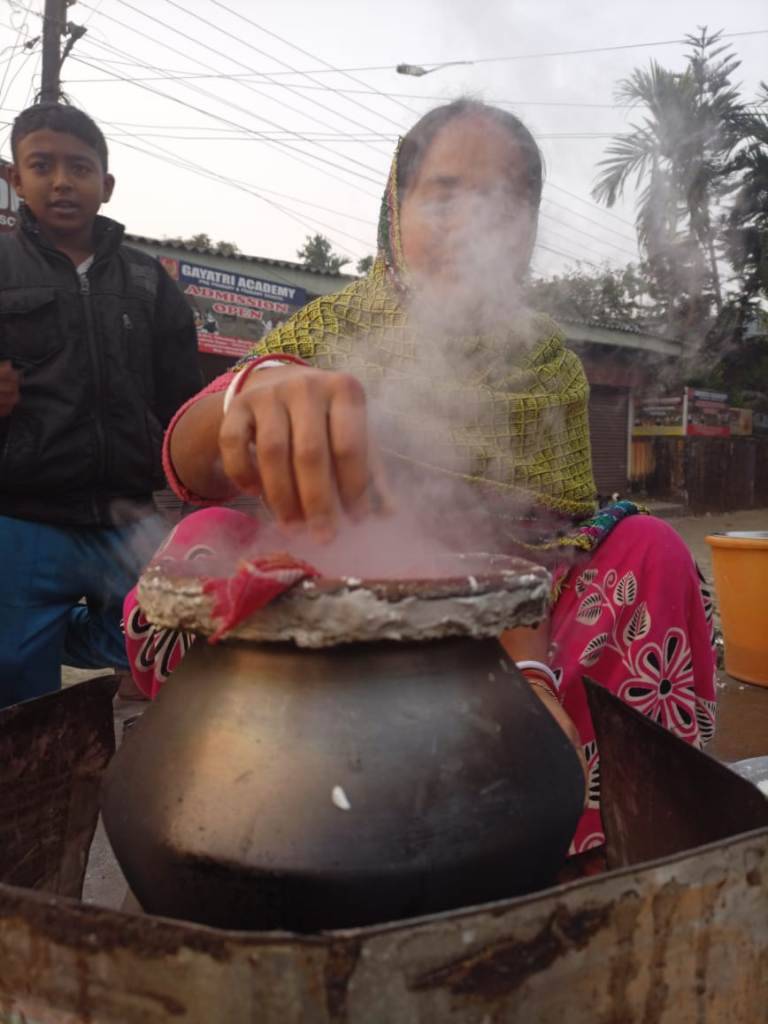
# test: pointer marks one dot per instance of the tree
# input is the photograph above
(317, 254)
(736, 351)
(364, 264)
(746, 226)
(680, 155)
(204, 241)
(609, 296)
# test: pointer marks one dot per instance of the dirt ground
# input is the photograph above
(694, 530)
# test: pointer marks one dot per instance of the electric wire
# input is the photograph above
(281, 146)
(312, 56)
(207, 46)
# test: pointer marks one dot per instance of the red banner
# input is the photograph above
(233, 311)
(222, 344)
(9, 201)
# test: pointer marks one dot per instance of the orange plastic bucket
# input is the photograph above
(740, 563)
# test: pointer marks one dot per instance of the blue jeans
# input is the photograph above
(45, 571)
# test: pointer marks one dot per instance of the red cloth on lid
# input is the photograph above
(255, 583)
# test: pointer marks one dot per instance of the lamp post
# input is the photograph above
(417, 70)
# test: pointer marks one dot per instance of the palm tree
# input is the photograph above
(746, 235)
(678, 156)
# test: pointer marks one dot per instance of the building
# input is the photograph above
(9, 201)
(621, 363)
(236, 299)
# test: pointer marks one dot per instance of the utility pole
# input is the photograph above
(54, 27)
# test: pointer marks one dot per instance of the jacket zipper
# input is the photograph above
(98, 367)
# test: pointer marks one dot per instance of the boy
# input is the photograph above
(97, 351)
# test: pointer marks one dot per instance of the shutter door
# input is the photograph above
(608, 426)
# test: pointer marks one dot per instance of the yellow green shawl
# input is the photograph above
(527, 432)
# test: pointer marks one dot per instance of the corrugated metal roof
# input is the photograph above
(210, 251)
(616, 325)
(620, 335)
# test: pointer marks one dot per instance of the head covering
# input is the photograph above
(513, 420)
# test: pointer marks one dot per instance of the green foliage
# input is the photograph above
(606, 296)
(317, 254)
(679, 156)
(204, 242)
(364, 264)
(698, 158)
(746, 225)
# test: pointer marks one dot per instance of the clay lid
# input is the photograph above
(479, 595)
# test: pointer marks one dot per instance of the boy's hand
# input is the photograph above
(9, 388)
(298, 436)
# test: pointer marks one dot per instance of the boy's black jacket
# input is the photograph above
(104, 366)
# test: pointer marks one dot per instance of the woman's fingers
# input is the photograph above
(312, 466)
(300, 437)
(380, 499)
(348, 437)
(236, 436)
(273, 454)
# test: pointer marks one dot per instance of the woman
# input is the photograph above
(466, 386)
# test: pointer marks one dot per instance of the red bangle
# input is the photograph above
(542, 679)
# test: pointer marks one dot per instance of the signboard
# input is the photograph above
(232, 310)
(741, 421)
(760, 423)
(708, 414)
(659, 417)
(694, 413)
(9, 201)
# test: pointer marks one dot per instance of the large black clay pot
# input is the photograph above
(271, 786)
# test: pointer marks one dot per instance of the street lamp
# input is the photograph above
(416, 70)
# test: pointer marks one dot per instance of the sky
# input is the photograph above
(272, 145)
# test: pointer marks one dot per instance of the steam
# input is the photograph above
(436, 408)
(438, 402)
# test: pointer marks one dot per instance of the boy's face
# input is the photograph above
(62, 181)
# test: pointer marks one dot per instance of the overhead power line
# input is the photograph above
(567, 255)
(591, 220)
(311, 56)
(276, 60)
(264, 79)
(584, 234)
(231, 135)
(307, 137)
(209, 94)
(577, 53)
(22, 28)
(226, 56)
(588, 202)
(541, 55)
(248, 20)
(307, 221)
(284, 146)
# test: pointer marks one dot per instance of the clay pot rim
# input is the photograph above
(510, 574)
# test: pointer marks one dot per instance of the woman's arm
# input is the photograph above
(295, 435)
(192, 448)
(527, 643)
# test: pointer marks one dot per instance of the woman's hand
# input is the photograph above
(299, 437)
(529, 643)
(294, 435)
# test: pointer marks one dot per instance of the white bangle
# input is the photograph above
(237, 383)
(539, 666)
